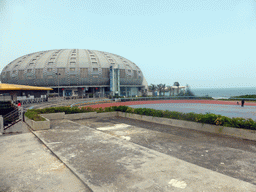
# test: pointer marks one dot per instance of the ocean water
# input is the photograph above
(223, 92)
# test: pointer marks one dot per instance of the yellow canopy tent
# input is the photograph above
(14, 87)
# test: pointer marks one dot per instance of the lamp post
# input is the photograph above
(58, 83)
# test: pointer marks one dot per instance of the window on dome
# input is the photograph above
(8, 74)
(14, 71)
(105, 72)
(94, 63)
(29, 70)
(39, 73)
(20, 74)
(95, 69)
(50, 63)
(72, 63)
(72, 69)
(83, 72)
(61, 71)
(135, 74)
(72, 58)
(122, 73)
(93, 59)
(49, 69)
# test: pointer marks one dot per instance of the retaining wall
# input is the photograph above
(76, 116)
(38, 125)
(235, 132)
(230, 131)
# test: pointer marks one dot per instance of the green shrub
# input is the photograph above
(32, 114)
(99, 110)
(207, 118)
(130, 110)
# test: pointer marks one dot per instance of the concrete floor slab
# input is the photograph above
(107, 163)
(227, 155)
(27, 165)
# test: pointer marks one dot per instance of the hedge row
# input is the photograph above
(207, 118)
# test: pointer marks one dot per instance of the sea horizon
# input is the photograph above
(224, 92)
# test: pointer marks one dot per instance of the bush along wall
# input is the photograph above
(208, 118)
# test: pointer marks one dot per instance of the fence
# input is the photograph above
(11, 118)
(137, 99)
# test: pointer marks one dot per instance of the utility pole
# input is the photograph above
(58, 84)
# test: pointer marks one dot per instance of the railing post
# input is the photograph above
(1, 125)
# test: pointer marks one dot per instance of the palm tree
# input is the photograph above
(152, 87)
(160, 88)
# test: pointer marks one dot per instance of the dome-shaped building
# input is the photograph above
(76, 72)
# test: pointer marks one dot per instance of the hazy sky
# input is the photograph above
(203, 43)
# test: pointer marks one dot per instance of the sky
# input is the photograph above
(202, 43)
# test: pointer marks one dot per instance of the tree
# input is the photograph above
(161, 88)
(176, 84)
(188, 92)
(152, 87)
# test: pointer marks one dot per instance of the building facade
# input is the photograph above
(77, 72)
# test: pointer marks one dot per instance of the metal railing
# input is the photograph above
(35, 100)
(246, 99)
(13, 117)
(138, 99)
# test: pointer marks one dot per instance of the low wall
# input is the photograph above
(52, 116)
(76, 116)
(230, 131)
(38, 125)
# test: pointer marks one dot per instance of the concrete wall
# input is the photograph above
(52, 116)
(1, 125)
(62, 115)
(235, 132)
(38, 125)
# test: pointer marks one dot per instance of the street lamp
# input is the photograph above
(58, 83)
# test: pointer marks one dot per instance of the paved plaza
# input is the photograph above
(220, 109)
(121, 154)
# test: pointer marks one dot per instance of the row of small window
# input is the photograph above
(71, 69)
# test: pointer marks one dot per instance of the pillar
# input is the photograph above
(1, 125)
